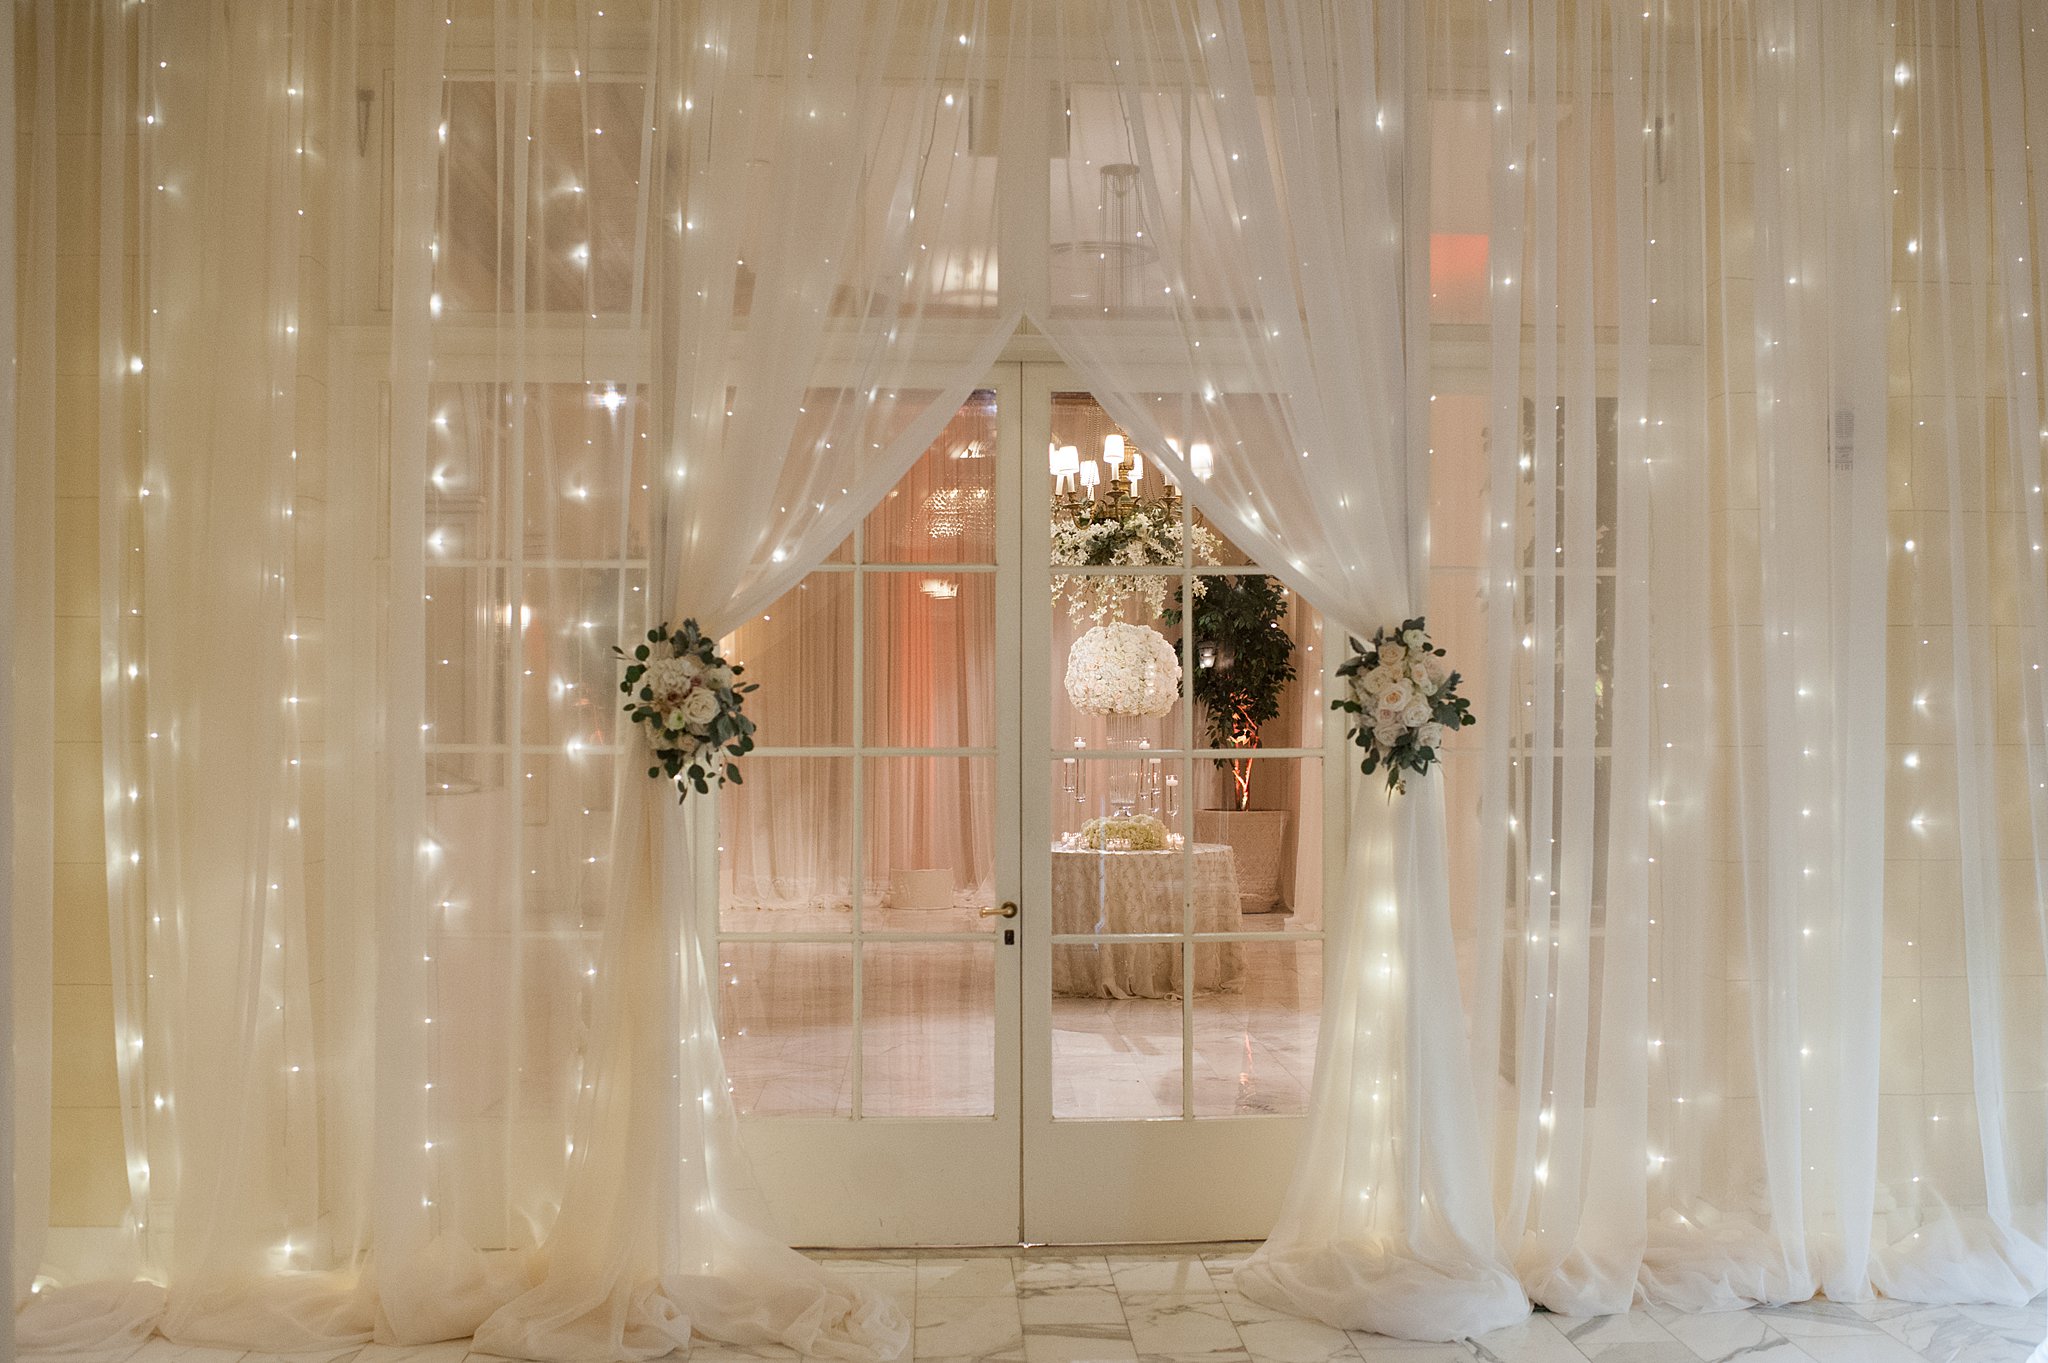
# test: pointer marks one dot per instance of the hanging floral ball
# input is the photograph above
(1120, 669)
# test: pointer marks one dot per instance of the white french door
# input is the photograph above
(1125, 1059)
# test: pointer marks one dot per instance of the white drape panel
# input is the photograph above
(1255, 300)
(784, 273)
(1757, 929)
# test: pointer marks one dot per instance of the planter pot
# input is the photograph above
(1257, 838)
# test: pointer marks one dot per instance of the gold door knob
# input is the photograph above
(1007, 910)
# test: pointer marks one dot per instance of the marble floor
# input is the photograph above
(927, 1023)
(1176, 1305)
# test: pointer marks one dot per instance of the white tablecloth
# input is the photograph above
(1107, 892)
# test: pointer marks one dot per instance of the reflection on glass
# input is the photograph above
(929, 660)
(1255, 1044)
(1113, 1057)
(785, 1026)
(800, 653)
(1278, 870)
(787, 847)
(944, 509)
(927, 1020)
(929, 834)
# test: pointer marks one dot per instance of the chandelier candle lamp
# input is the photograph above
(1109, 526)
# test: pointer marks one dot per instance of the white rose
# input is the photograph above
(1392, 654)
(1413, 638)
(700, 707)
(1416, 714)
(1431, 736)
(1388, 732)
(666, 683)
(689, 666)
(673, 719)
(1396, 698)
(718, 675)
(1437, 671)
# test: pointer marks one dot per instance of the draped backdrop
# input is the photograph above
(389, 362)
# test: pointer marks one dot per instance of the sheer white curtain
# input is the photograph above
(413, 1030)
(1756, 929)
(1247, 288)
(782, 280)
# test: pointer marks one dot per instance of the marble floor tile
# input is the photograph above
(1954, 1334)
(1873, 1348)
(1179, 1273)
(1040, 1270)
(1535, 1340)
(1070, 1304)
(1077, 1344)
(1286, 1339)
(1411, 1351)
(968, 1327)
(1185, 1325)
(1628, 1327)
(965, 1277)
(1728, 1336)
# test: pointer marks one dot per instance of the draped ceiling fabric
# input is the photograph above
(1708, 971)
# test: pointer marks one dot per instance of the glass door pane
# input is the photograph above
(867, 974)
(1180, 745)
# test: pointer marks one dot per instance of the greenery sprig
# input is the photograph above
(690, 699)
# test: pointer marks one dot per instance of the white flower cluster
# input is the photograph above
(1395, 695)
(1120, 669)
(1138, 539)
(1131, 833)
(685, 692)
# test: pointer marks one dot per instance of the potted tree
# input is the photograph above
(1244, 659)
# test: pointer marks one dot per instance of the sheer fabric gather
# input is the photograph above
(1708, 971)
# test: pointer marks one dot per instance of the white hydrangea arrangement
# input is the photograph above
(1143, 537)
(1406, 701)
(1120, 669)
(1122, 833)
(690, 700)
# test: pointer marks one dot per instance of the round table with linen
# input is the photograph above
(1111, 892)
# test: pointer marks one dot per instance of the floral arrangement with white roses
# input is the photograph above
(1122, 833)
(1145, 537)
(689, 698)
(1120, 669)
(1406, 701)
